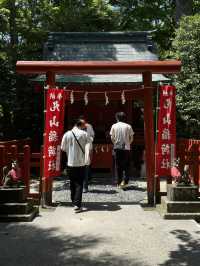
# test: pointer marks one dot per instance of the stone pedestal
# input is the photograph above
(182, 202)
(15, 206)
(182, 193)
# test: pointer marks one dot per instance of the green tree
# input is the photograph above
(186, 47)
(156, 16)
(24, 25)
(183, 8)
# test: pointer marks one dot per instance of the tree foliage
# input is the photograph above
(24, 25)
(156, 16)
(186, 47)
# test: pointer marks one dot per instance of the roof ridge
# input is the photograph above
(95, 37)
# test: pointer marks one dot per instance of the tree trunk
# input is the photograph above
(183, 8)
(13, 31)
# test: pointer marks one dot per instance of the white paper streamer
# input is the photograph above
(123, 97)
(86, 98)
(72, 97)
(102, 148)
(106, 99)
(46, 87)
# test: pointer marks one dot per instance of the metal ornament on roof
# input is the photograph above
(72, 97)
(86, 98)
(106, 99)
(123, 98)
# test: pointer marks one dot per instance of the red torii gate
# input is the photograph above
(146, 68)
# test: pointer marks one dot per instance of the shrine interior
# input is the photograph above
(102, 117)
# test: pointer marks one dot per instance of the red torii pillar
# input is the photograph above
(47, 183)
(149, 135)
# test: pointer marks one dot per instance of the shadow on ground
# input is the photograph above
(98, 206)
(30, 245)
(103, 191)
(188, 252)
(136, 188)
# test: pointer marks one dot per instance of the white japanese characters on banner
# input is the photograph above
(53, 131)
(166, 145)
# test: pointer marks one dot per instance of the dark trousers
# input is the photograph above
(122, 160)
(87, 176)
(76, 176)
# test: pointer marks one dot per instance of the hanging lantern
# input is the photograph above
(123, 98)
(106, 99)
(72, 97)
(86, 98)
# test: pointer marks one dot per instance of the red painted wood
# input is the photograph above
(41, 171)
(26, 167)
(102, 156)
(98, 67)
(3, 161)
(149, 136)
(14, 152)
(47, 183)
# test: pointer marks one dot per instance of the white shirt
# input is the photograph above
(75, 156)
(90, 131)
(122, 134)
(89, 146)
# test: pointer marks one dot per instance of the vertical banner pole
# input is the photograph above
(149, 135)
(47, 182)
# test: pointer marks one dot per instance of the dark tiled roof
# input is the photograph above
(84, 46)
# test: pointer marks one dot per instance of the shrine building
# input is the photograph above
(104, 46)
(103, 73)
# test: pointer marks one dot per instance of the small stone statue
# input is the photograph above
(13, 176)
(181, 179)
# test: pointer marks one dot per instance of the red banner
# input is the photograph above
(54, 125)
(166, 142)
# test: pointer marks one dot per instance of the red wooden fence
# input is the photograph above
(26, 160)
(188, 150)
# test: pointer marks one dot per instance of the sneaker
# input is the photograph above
(77, 209)
(123, 184)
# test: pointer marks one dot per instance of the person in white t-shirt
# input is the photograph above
(73, 143)
(122, 136)
(88, 152)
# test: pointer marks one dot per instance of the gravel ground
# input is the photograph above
(102, 190)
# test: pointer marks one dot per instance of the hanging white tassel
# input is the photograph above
(123, 97)
(106, 99)
(72, 97)
(46, 87)
(86, 98)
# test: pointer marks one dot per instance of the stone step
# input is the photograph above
(180, 206)
(12, 194)
(19, 217)
(182, 216)
(33, 201)
(15, 208)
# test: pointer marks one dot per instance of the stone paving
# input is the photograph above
(113, 230)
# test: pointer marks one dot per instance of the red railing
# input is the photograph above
(188, 150)
(26, 159)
